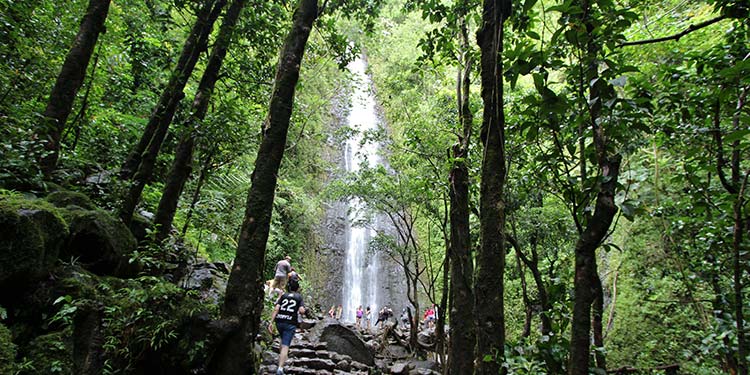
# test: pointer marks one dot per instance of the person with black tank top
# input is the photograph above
(285, 315)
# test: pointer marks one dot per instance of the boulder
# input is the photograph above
(426, 365)
(427, 339)
(100, 242)
(270, 358)
(343, 365)
(342, 340)
(209, 279)
(32, 233)
(72, 199)
(423, 371)
(399, 368)
(396, 352)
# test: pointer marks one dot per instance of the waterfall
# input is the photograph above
(361, 268)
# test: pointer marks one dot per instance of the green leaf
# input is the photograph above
(737, 135)
(629, 208)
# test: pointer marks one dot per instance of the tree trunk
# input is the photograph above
(586, 274)
(489, 309)
(738, 271)
(182, 164)
(597, 312)
(244, 296)
(585, 268)
(197, 193)
(172, 94)
(158, 124)
(440, 329)
(462, 338)
(528, 309)
(69, 81)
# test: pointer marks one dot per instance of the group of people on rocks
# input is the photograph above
(335, 312)
(362, 317)
(289, 308)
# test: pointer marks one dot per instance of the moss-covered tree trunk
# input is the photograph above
(183, 160)
(462, 338)
(244, 296)
(69, 81)
(488, 307)
(143, 158)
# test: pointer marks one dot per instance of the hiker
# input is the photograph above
(429, 317)
(339, 311)
(358, 321)
(286, 315)
(332, 311)
(368, 315)
(383, 315)
(404, 318)
(294, 276)
(280, 277)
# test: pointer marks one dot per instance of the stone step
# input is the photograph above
(312, 363)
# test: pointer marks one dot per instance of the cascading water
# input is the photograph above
(361, 267)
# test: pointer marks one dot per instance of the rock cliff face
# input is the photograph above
(334, 231)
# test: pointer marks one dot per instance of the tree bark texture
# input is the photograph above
(69, 81)
(183, 162)
(440, 328)
(463, 337)
(172, 95)
(597, 312)
(244, 296)
(586, 270)
(488, 307)
(161, 118)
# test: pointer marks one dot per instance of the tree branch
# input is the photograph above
(677, 36)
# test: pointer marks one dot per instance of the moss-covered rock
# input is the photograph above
(7, 351)
(66, 198)
(31, 235)
(51, 353)
(99, 241)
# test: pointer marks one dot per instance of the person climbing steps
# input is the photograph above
(286, 316)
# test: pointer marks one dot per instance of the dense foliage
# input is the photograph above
(643, 100)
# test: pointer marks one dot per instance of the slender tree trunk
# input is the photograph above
(738, 270)
(173, 94)
(197, 193)
(158, 125)
(413, 333)
(462, 338)
(586, 274)
(182, 164)
(244, 296)
(488, 308)
(525, 297)
(69, 81)
(739, 227)
(440, 329)
(597, 312)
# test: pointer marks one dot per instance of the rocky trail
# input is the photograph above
(332, 347)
